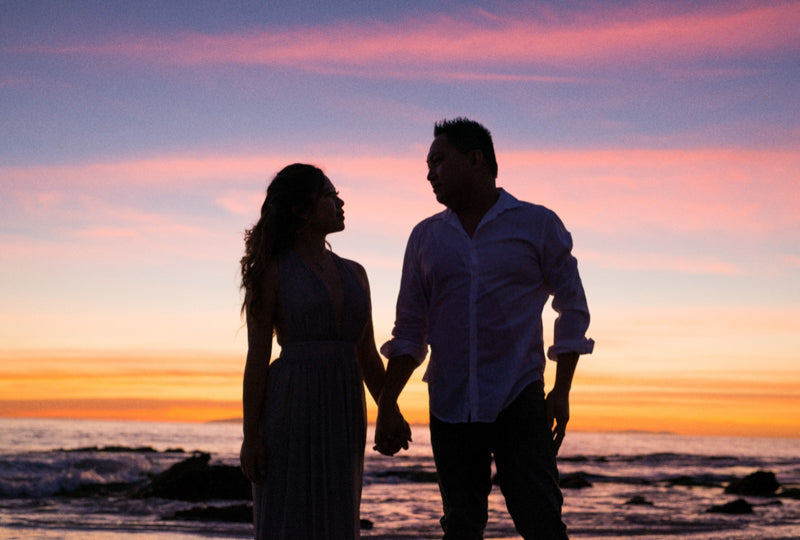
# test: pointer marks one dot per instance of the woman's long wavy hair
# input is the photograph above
(293, 191)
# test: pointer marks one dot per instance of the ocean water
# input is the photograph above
(71, 480)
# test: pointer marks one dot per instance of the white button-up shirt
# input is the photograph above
(478, 303)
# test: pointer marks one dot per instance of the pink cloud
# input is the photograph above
(742, 195)
(143, 233)
(107, 233)
(245, 203)
(751, 191)
(479, 45)
(661, 262)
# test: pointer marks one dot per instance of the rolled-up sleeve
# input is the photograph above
(410, 334)
(563, 282)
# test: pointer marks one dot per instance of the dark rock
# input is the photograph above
(575, 480)
(366, 525)
(790, 493)
(115, 449)
(582, 459)
(692, 481)
(99, 490)
(638, 500)
(573, 459)
(193, 479)
(739, 506)
(760, 483)
(237, 513)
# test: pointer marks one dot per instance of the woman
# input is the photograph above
(304, 414)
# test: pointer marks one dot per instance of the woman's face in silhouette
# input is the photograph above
(327, 215)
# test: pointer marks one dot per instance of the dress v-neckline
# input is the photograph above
(336, 307)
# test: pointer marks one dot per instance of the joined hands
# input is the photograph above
(392, 432)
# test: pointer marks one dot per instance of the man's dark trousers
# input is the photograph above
(524, 454)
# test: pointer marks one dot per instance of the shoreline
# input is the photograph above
(67, 481)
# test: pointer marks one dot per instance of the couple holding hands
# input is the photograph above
(475, 280)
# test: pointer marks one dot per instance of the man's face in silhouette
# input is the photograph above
(450, 173)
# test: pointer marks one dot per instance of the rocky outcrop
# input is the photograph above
(739, 506)
(194, 479)
(759, 483)
(638, 500)
(577, 480)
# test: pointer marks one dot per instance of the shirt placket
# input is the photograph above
(472, 381)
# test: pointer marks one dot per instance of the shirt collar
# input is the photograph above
(505, 201)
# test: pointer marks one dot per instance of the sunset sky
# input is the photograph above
(137, 140)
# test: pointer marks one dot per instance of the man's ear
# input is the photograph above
(476, 158)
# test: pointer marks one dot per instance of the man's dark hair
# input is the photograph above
(467, 135)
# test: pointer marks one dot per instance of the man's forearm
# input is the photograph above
(565, 370)
(398, 371)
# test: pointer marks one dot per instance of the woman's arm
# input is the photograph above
(369, 360)
(374, 374)
(254, 384)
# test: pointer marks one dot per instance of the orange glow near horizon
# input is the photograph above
(738, 405)
(743, 406)
(123, 409)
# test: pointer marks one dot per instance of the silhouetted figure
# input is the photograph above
(475, 280)
(304, 414)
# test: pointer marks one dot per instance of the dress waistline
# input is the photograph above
(303, 348)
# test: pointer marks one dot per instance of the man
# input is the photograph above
(475, 280)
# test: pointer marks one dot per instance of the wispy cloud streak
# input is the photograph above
(660, 262)
(605, 190)
(694, 190)
(482, 45)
